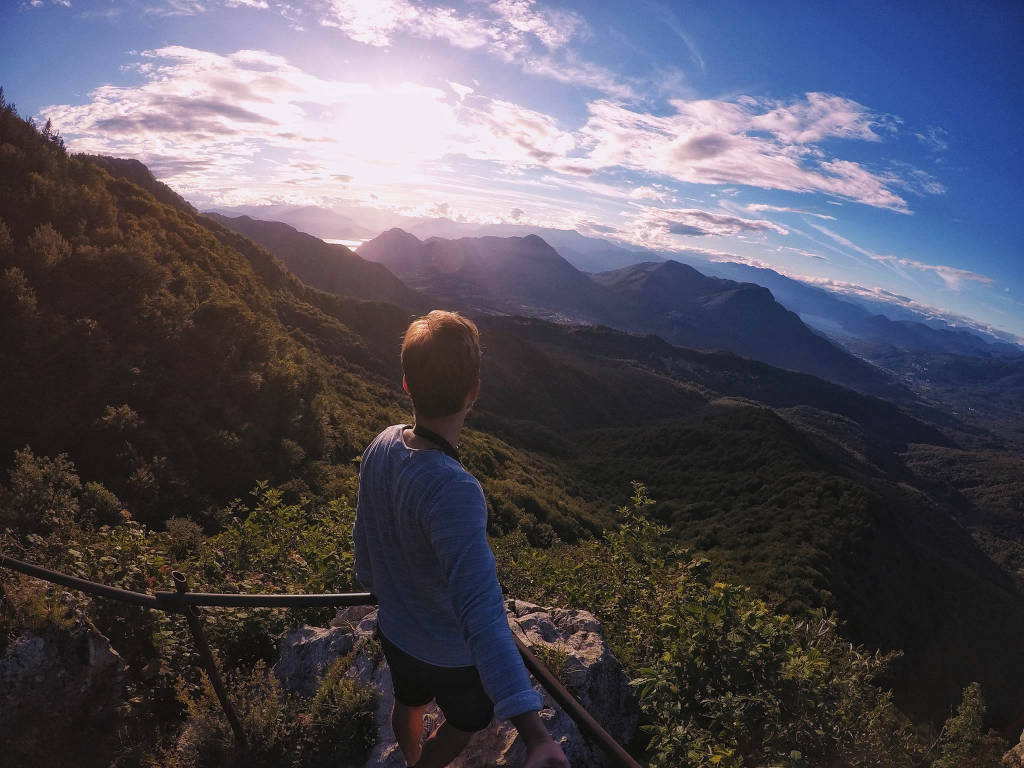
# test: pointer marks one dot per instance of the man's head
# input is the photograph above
(441, 363)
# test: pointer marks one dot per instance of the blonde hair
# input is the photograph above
(441, 362)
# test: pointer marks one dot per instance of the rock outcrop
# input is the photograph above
(590, 671)
(61, 686)
(1015, 757)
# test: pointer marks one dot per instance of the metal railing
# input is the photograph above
(188, 604)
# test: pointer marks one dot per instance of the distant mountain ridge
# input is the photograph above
(513, 275)
(588, 254)
(847, 318)
(691, 309)
(525, 275)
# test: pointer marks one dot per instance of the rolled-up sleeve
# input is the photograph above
(458, 533)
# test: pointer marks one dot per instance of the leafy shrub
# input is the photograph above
(964, 743)
(342, 727)
(184, 537)
(335, 727)
(41, 494)
(722, 680)
(269, 718)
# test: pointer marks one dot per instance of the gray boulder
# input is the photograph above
(60, 688)
(590, 671)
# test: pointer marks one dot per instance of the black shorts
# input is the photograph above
(458, 690)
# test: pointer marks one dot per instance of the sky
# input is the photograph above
(870, 148)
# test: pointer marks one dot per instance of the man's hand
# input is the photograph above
(546, 754)
(541, 749)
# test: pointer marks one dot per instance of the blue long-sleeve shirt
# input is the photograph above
(421, 547)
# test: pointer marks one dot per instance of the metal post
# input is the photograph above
(192, 614)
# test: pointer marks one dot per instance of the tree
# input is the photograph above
(964, 743)
(47, 247)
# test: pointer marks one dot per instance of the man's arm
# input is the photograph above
(458, 532)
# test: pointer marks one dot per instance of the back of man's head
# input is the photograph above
(441, 362)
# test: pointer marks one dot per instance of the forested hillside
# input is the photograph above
(174, 397)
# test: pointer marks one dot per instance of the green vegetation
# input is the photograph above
(722, 679)
(335, 727)
(964, 742)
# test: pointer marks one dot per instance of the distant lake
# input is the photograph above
(347, 243)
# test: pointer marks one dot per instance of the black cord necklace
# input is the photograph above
(436, 439)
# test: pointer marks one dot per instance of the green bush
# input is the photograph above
(342, 727)
(270, 719)
(335, 727)
(964, 742)
(721, 679)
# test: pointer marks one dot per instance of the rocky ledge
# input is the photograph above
(589, 670)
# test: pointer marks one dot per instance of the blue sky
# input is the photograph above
(873, 148)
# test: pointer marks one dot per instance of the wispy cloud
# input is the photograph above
(521, 31)
(934, 138)
(177, 8)
(724, 142)
(926, 311)
(757, 207)
(953, 277)
(669, 19)
(800, 252)
(661, 228)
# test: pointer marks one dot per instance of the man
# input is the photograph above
(421, 547)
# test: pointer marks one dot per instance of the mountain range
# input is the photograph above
(525, 275)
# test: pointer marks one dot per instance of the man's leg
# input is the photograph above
(443, 746)
(407, 723)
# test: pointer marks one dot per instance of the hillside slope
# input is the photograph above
(326, 266)
(688, 308)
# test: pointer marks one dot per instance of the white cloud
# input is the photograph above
(953, 277)
(518, 31)
(722, 142)
(928, 312)
(654, 227)
(801, 252)
(934, 138)
(205, 121)
(820, 116)
(216, 125)
(461, 90)
(552, 28)
(369, 21)
(756, 207)
(177, 8)
(568, 68)
(508, 26)
(917, 181)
